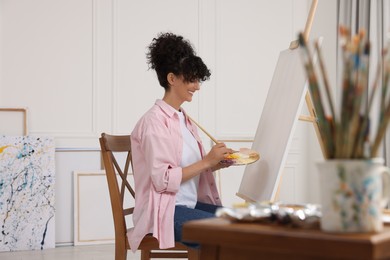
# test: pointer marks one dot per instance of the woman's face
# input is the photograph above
(183, 90)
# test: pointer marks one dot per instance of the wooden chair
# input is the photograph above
(111, 146)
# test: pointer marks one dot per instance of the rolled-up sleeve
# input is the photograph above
(160, 146)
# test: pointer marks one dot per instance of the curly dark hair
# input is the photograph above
(172, 53)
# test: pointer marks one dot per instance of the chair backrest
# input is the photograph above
(111, 146)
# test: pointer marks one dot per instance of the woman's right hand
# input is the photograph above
(217, 154)
(210, 161)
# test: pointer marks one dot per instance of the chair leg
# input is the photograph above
(120, 254)
(193, 254)
(145, 254)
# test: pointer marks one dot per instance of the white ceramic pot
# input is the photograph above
(353, 194)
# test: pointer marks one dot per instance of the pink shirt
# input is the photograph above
(157, 144)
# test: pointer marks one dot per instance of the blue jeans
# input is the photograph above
(184, 214)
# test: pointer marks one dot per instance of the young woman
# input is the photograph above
(173, 175)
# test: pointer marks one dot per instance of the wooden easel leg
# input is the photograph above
(276, 197)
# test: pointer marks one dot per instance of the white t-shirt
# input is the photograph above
(188, 192)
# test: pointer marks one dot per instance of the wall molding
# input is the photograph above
(83, 235)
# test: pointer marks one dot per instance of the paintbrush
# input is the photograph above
(325, 80)
(381, 131)
(358, 86)
(364, 134)
(359, 125)
(315, 92)
(204, 130)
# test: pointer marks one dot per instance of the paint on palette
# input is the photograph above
(27, 195)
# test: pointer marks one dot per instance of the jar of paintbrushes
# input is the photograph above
(355, 184)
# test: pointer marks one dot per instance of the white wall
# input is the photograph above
(79, 66)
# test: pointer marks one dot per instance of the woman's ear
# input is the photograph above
(171, 78)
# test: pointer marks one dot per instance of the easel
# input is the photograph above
(261, 180)
(293, 45)
(18, 109)
(312, 118)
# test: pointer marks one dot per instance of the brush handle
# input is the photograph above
(204, 130)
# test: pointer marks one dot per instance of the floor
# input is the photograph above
(96, 252)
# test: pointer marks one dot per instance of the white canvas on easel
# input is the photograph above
(276, 127)
(278, 120)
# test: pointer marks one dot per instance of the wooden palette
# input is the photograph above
(243, 157)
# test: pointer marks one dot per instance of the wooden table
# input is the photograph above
(221, 239)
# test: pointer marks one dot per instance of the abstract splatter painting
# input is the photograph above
(27, 179)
